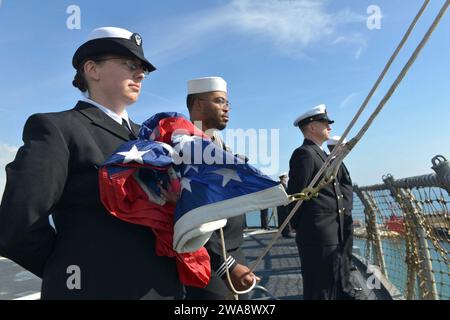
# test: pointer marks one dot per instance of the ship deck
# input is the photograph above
(280, 271)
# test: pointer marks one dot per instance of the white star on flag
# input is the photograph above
(186, 184)
(189, 167)
(182, 139)
(133, 155)
(166, 146)
(228, 175)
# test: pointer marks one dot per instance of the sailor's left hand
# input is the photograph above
(242, 277)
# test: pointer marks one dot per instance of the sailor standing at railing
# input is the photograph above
(318, 222)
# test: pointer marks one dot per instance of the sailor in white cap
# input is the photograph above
(333, 141)
(284, 174)
(106, 46)
(318, 113)
(111, 41)
(207, 102)
(319, 221)
(56, 172)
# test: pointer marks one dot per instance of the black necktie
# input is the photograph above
(125, 125)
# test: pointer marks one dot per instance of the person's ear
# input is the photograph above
(91, 70)
(199, 107)
(196, 110)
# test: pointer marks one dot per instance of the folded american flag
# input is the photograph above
(215, 184)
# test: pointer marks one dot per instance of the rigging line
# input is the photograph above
(355, 140)
(385, 70)
(375, 86)
(236, 292)
(337, 148)
(404, 71)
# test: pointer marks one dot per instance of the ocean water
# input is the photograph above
(388, 205)
(253, 219)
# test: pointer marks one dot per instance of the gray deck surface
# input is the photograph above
(16, 282)
(280, 270)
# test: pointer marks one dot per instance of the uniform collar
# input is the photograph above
(310, 142)
(101, 119)
(117, 118)
(319, 150)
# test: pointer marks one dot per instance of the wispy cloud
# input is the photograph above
(348, 100)
(7, 154)
(355, 40)
(291, 26)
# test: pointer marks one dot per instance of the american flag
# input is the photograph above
(214, 184)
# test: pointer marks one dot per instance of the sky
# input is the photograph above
(279, 58)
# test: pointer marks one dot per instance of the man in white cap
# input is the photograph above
(319, 221)
(208, 106)
(91, 254)
(333, 141)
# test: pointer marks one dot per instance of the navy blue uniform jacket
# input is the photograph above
(56, 172)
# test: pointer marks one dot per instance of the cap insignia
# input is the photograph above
(136, 38)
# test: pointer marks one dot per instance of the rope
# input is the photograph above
(230, 283)
(405, 70)
(385, 70)
(340, 152)
(272, 216)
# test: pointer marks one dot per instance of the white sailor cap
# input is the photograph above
(284, 174)
(315, 114)
(334, 141)
(207, 84)
(111, 40)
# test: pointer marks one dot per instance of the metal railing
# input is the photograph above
(404, 229)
